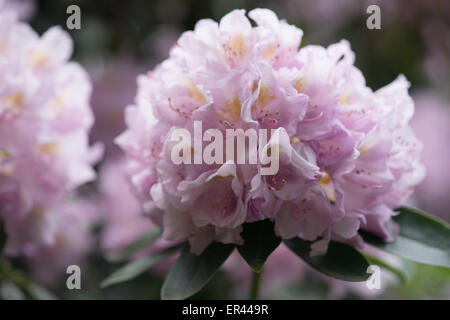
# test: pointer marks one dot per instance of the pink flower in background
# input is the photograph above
(114, 86)
(314, 13)
(25, 9)
(122, 214)
(121, 211)
(347, 155)
(72, 241)
(437, 60)
(45, 119)
(432, 125)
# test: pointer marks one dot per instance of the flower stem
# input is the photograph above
(254, 291)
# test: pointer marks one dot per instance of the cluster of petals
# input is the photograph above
(347, 156)
(45, 118)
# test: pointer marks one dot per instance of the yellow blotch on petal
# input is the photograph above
(49, 148)
(363, 149)
(269, 51)
(15, 101)
(194, 93)
(327, 185)
(274, 150)
(264, 98)
(58, 102)
(232, 111)
(188, 151)
(238, 47)
(294, 140)
(345, 98)
(38, 58)
(325, 179)
(300, 85)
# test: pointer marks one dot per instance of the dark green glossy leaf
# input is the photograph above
(191, 272)
(137, 267)
(341, 260)
(422, 238)
(141, 243)
(259, 242)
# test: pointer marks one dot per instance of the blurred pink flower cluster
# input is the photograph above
(71, 227)
(347, 154)
(432, 125)
(121, 214)
(45, 118)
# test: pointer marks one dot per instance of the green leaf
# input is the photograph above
(383, 264)
(259, 242)
(341, 260)
(10, 291)
(144, 241)
(137, 267)
(422, 238)
(191, 272)
(38, 292)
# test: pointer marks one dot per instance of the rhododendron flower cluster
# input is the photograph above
(347, 156)
(45, 118)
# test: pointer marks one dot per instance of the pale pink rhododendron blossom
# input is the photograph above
(347, 156)
(45, 119)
